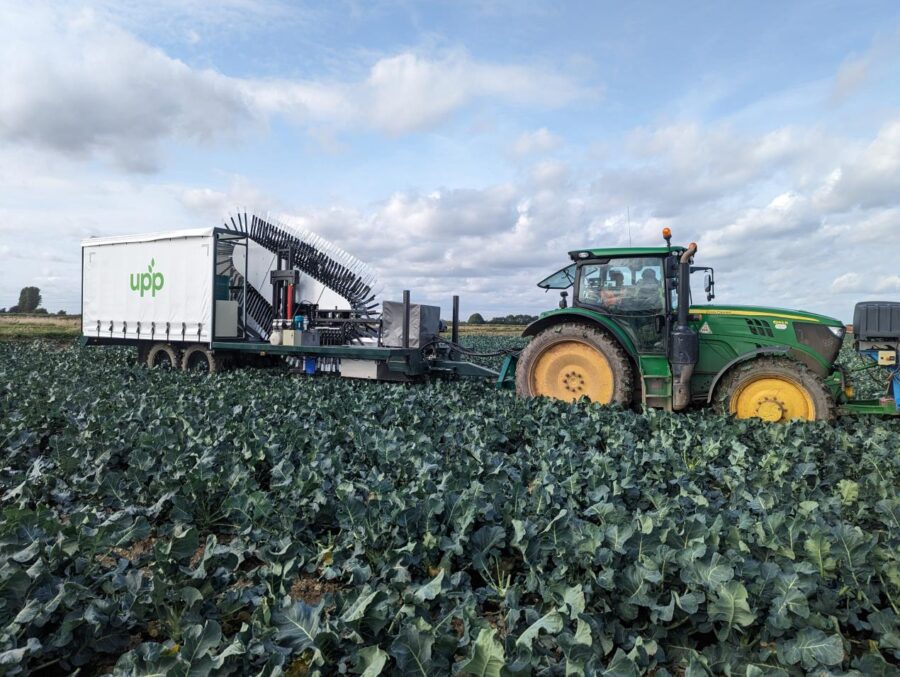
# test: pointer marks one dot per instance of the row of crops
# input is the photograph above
(254, 522)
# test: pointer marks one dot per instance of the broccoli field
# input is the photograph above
(256, 522)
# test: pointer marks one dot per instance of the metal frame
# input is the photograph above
(230, 235)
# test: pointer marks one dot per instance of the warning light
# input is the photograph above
(667, 234)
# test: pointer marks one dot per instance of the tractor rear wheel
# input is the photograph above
(163, 356)
(572, 360)
(774, 389)
(199, 358)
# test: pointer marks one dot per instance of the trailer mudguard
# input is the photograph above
(765, 350)
(585, 316)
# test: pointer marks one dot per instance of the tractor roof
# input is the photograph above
(607, 252)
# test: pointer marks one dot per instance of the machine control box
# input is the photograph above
(424, 324)
(295, 337)
(876, 320)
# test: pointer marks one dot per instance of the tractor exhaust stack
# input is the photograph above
(685, 347)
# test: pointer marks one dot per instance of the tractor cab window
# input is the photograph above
(633, 291)
(627, 286)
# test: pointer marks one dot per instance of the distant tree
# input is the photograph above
(2, 310)
(62, 312)
(14, 309)
(513, 319)
(29, 299)
(476, 318)
(39, 311)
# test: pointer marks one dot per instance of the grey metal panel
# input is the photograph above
(424, 324)
(876, 320)
(226, 319)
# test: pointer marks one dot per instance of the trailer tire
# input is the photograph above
(572, 360)
(163, 356)
(200, 358)
(775, 389)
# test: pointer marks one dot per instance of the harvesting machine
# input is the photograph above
(255, 292)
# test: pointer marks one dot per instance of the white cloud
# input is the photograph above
(868, 178)
(888, 284)
(409, 92)
(537, 142)
(857, 70)
(78, 83)
(852, 74)
(216, 204)
(683, 165)
(848, 282)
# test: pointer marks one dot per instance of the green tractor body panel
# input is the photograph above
(729, 334)
(553, 317)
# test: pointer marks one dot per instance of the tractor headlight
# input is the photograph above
(838, 331)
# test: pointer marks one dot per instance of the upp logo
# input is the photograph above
(147, 282)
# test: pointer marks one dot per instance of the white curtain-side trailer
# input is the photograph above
(161, 292)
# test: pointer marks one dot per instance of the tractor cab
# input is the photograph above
(638, 288)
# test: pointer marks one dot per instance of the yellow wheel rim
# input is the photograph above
(571, 369)
(773, 399)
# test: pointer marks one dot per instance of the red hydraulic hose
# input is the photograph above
(290, 302)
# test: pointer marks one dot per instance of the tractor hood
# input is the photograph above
(765, 312)
(737, 330)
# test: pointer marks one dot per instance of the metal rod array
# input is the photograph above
(316, 257)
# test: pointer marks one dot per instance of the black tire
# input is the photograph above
(163, 356)
(199, 358)
(619, 366)
(742, 375)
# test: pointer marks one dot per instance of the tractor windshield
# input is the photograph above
(561, 279)
(627, 285)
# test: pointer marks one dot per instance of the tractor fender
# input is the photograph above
(584, 317)
(753, 354)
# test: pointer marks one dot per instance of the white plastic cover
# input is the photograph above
(134, 286)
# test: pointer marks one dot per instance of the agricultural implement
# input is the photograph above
(254, 292)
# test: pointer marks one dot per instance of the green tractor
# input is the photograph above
(631, 336)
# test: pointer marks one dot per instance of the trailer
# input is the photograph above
(187, 299)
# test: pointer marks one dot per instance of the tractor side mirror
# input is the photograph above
(562, 302)
(710, 287)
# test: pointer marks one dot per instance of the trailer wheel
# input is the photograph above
(199, 358)
(163, 356)
(774, 389)
(572, 360)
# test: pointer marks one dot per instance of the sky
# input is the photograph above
(464, 147)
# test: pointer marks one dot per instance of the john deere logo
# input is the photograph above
(147, 282)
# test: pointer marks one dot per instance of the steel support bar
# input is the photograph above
(464, 369)
(884, 407)
(454, 330)
(406, 318)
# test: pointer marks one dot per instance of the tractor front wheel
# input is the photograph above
(774, 389)
(569, 361)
